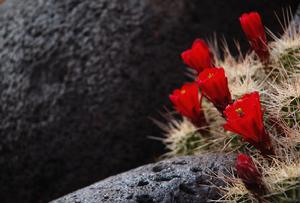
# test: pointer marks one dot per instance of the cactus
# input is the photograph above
(257, 102)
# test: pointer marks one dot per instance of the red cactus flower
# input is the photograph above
(214, 85)
(187, 102)
(245, 117)
(198, 57)
(252, 26)
(248, 172)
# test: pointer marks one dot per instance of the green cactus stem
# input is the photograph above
(189, 144)
(292, 112)
(289, 59)
(290, 194)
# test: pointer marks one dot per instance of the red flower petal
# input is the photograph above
(198, 57)
(254, 30)
(187, 102)
(245, 118)
(214, 85)
(251, 177)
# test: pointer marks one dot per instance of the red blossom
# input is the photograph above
(188, 102)
(214, 85)
(253, 28)
(198, 57)
(249, 174)
(245, 117)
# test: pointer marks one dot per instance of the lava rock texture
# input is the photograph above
(79, 80)
(181, 180)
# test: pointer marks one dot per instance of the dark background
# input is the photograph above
(79, 81)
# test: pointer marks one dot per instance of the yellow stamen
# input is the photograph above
(210, 75)
(240, 111)
(183, 91)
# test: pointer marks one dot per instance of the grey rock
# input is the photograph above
(7, 4)
(77, 88)
(79, 80)
(182, 180)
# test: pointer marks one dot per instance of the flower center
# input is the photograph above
(183, 91)
(210, 75)
(240, 112)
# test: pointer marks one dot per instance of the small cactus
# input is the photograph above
(249, 104)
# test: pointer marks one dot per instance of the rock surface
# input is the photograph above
(7, 4)
(79, 80)
(77, 89)
(181, 180)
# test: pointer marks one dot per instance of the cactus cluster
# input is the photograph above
(247, 105)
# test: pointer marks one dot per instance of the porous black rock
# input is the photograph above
(79, 80)
(173, 180)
